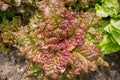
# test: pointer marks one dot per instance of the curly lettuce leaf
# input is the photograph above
(114, 29)
(108, 8)
(111, 41)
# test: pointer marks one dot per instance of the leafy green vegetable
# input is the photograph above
(116, 36)
(108, 8)
(115, 23)
(111, 41)
(108, 45)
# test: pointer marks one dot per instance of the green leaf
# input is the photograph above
(108, 8)
(115, 33)
(111, 41)
(35, 68)
(116, 36)
(115, 23)
(107, 28)
(114, 29)
(100, 11)
(109, 45)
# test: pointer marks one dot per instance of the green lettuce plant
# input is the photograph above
(111, 41)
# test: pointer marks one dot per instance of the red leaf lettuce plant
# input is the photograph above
(58, 42)
(55, 40)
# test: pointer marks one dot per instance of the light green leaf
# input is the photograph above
(115, 23)
(108, 8)
(108, 45)
(100, 11)
(107, 28)
(116, 34)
